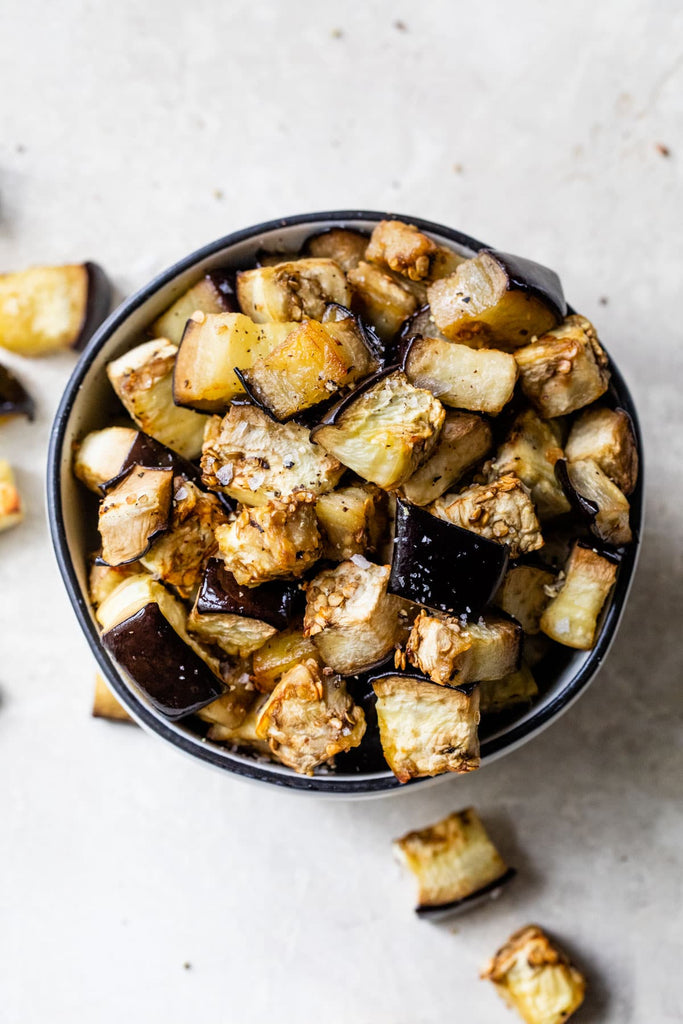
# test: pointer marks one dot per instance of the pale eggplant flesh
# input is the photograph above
(14, 398)
(277, 603)
(466, 903)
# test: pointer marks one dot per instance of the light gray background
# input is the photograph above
(133, 132)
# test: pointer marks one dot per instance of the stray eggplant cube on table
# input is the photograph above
(452, 652)
(609, 507)
(496, 695)
(134, 513)
(345, 247)
(309, 717)
(426, 729)
(383, 299)
(291, 290)
(454, 861)
(606, 436)
(571, 617)
(565, 369)
(383, 430)
(212, 294)
(280, 653)
(11, 508)
(249, 457)
(501, 511)
(106, 705)
(351, 520)
(478, 380)
(278, 539)
(497, 300)
(530, 451)
(143, 380)
(464, 441)
(352, 619)
(535, 978)
(523, 595)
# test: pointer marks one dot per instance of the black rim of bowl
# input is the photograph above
(194, 746)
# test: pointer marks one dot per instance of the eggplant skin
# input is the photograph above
(594, 496)
(345, 247)
(276, 603)
(501, 511)
(14, 398)
(172, 677)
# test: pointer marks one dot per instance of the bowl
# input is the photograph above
(87, 403)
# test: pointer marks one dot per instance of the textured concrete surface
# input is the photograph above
(137, 885)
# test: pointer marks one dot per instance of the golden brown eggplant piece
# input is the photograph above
(481, 381)
(530, 451)
(571, 617)
(452, 652)
(606, 436)
(134, 513)
(344, 246)
(351, 520)
(291, 290)
(592, 493)
(496, 695)
(383, 299)
(464, 441)
(212, 294)
(522, 595)
(501, 511)
(280, 653)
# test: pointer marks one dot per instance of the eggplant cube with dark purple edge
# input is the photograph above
(442, 566)
(276, 603)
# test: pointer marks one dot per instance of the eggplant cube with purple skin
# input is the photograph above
(606, 436)
(382, 298)
(599, 499)
(212, 294)
(14, 398)
(523, 595)
(571, 617)
(454, 862)
(134, 513)
(452, 652)
(292, 290)
(501, 511)
(530, 451)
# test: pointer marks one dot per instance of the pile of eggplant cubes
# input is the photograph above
(364, 490)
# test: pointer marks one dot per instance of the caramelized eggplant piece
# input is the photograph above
(242, 735)
(313, 363)
(14, 398)
(292, 290)
(384, 300)
(143, 381)
(496, 695)
(405, 250)
(442, 566)
(278, 539)
(11, 508)
(454, 862)
(351, 618)
(106, 705)
(254, 460)
(309, 717)
(46, 309)
(351, 520)
(571, 616)
(481, 381)
(345, 247)
(383, 429)
(501, 511)
(523, 595)
(453, 652)
(213, 294)
(144, 629)
(100, 457)
(133, 513)
(232, 707)
(530, 451)
(565, 369)
(606, 436)
(212, 349)
(420, 323)
(426, 729)
(276, 603)
(593, 495)
(533, 976)
(498, 300)
(282, 652)
(234, 634)
(464, 441)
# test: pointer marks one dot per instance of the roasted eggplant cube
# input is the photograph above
(11, 508)
(309, 717)
(592, 493)
(606, 436)
(453, 653)
(179, 556)
(571, 617)
(351, 520)
(292, 290)
(530, 451)
(383, 430)
(211, 349)
(14, 398)
(271, 541)
(502, 511)
(383, 299)
(454, 861)
(104, 579)
(441, 565)
(101, 454)
(535, 978)
(497, 300)
(402, 248)
(282, 652)
(254, 460)
(353, 621)
(242, 735)
(523, 595)
(464, 441)
(276, 603)
(315, 361)
(213, 294)
(345, 247)
(481, 381)
(234, 634)
(143, 381)
(496, 695)
(46, 309)
(565, 369)
(144, 629)
(134, 513)
(426, 729)
(106, 705)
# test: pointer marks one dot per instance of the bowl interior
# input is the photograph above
(89, 403)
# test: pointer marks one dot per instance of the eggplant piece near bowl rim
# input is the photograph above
(14, 398)
(602, 505)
